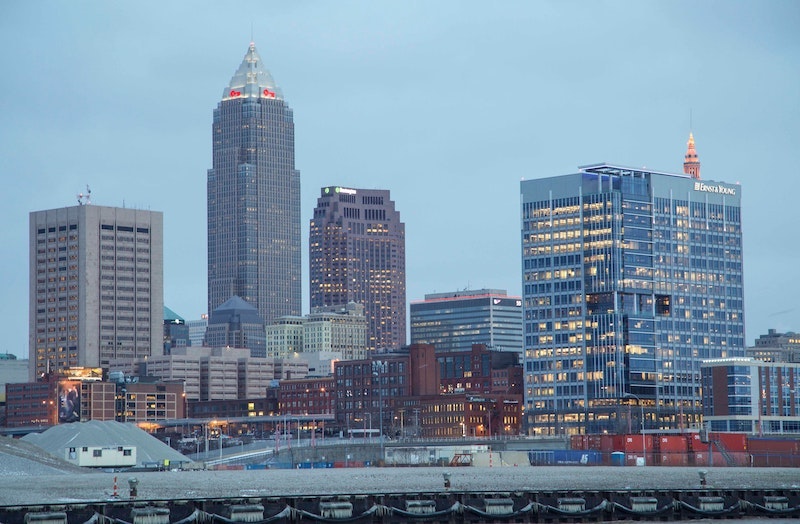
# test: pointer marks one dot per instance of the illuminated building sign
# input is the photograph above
(699, 186)
(233, 93)
(84, 374)
(346, 191)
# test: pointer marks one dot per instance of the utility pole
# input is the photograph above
(378, 368)
(644, 445)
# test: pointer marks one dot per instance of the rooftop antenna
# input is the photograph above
(85, 198)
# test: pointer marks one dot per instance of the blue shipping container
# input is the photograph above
(576, 457)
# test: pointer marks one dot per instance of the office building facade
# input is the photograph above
(176, 332)
(776, 347)
(340, 332)
(254, 197)
(285, 337)
(631, 278)
(337, 329)
(197, 330)
(357, 254)
(457, 320)
(96, 287)
(235, 323)
(208, 373)
(751, 396)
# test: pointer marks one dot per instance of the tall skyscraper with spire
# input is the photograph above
(691, 164)
(357, 253)
(254, 196)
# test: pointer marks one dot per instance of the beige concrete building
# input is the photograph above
(216, 373)
(285, 336)
(328, 333)
(96, 287)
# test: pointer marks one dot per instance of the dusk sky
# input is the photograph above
(447, 104)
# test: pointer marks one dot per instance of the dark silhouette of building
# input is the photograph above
(237, 324)
(176, 332)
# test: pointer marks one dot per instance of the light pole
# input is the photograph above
(644, 446)
(378, 367)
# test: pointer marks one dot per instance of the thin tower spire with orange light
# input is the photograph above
(691, 164)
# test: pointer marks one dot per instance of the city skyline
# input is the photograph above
(448, 106)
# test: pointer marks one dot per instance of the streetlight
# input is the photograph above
(370, 427)
(379, 367)
(644, 446)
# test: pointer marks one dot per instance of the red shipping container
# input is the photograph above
(695, 444)
(717, 459)
(732, 442)
(633, 443)
(593, 442)
(579, 442)
(674, 459)
(631, 459)
(764, 459)
(606, 443)
(699, 458)
(763, 445)
(672, 444)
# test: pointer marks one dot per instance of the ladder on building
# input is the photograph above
(723, 451)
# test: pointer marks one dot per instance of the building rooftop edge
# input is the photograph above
(456, 295)
(609, 168)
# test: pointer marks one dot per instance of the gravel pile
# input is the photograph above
(92, 433)
(22, 459)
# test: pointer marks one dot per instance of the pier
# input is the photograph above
(383, 495)
(443, 506)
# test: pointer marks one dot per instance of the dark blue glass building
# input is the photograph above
(455, 321)
(631, 278)
(254, 197)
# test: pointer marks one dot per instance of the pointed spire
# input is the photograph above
(252, 79)
(691, 164)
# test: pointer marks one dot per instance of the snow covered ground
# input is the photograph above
(170, 485)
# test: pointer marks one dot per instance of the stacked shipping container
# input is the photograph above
(688, 449)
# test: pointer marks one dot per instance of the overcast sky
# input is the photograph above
(448, 104)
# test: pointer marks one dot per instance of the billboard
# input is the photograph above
(69, 401)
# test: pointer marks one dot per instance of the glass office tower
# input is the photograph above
(631, 278)
(254, 197)
(456, 320)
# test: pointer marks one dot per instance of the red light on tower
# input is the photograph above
(234, 93)
(269, 94)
